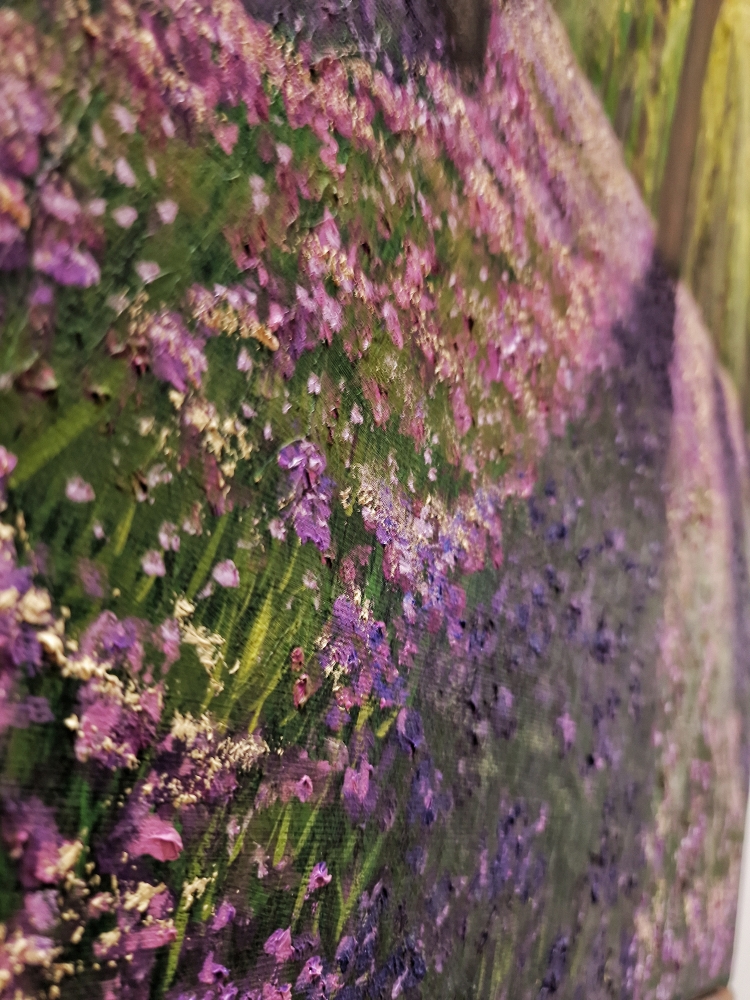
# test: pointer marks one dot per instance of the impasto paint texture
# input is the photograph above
(373, 579)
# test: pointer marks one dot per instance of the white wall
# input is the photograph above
(741, 964)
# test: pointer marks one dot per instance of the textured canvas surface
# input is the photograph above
(373, 576)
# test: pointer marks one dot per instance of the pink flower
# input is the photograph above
(153, 563)
(261, 200)
(567, 727)
(169, 633)
(148, 271)
(311, 973)
(169, 537)
(167, 126)
(303, 789)
(157, 838)
(461, 411)
(167, 211)
(276, 316)
(313, 385)
(274, 991)
(357, 783)
(124, 119)
(319, 877)
(79, 491)
(244, 361)
(279, 945)
(64, 207)
(223, 916)
(301, 690)
(284, 153)
(225, 573)
(91, 577)
(124, 172)
(97, 207)
(226, 135)
(211, 971)
(278, 529)
(392, 325)
(125, 216)
(8, 462)
(67, 265)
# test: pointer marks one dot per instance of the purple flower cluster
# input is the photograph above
(425, 546)
(28, 631)
(357, 651)
(119, 705)
(33, 939)
(307, 502)
(195, 764)
(176, 355)
(59, 233)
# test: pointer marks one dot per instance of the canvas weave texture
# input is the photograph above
(373, 577)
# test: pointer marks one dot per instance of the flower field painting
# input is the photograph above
(375, 517)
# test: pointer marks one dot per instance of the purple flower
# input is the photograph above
(169, 634)
(67, 265)
(225, 573)
(303, 788)
(304, 463)
(311, 492)
(124, 119)
(169, 538)
(319, 877)
(279, 945)
(409, 729)
(152, 563)
(125, 216)
(277, 528)
(167, 211)
(244, 361)
(13, 253)
(226, 134)
(147, 271)
(8, 462)
(59, 204)
(176, 356)
(310, 517)
(157, 838)
(211, 971)
(79, 491)
(223, 916)
(97, 207)
(116, 723)
(356, 791)
(91, 577)
(311, 973)
(41, 909)
(124, 172)
(275, 991)
(42, 295)
(32, 838)
(116, 641)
